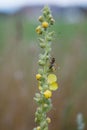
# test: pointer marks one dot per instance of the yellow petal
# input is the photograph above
(52, 78)
(38, 76)
(48, 94)
(45, 24)
(53, 86)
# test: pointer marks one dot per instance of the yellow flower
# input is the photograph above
(48, 120)
(39, 30)
(52, 78)
(38, 76)
(45, 24)
(38, 128)
(52, 82)
(48, 94)
(53, 86)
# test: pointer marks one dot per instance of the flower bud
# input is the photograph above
(39, 30)
(45, 105)
(40, 18)
(52, 21)
(50, 16)
(41, 39)
(47, 57)
(38, 76)
(48, 120)
(44, 13)
(41, 62)
(42, 45)
(49, 38)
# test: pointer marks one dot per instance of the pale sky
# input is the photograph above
(7, 4)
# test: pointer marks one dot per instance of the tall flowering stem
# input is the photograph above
(47, 80)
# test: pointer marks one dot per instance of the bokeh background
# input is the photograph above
(18, 65)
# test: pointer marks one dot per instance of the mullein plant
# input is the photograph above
(47, 80)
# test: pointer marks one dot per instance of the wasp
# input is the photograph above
(52, 64)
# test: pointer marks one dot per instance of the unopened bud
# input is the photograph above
(40, 18)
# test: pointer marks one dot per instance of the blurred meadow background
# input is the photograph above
(19, 52)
